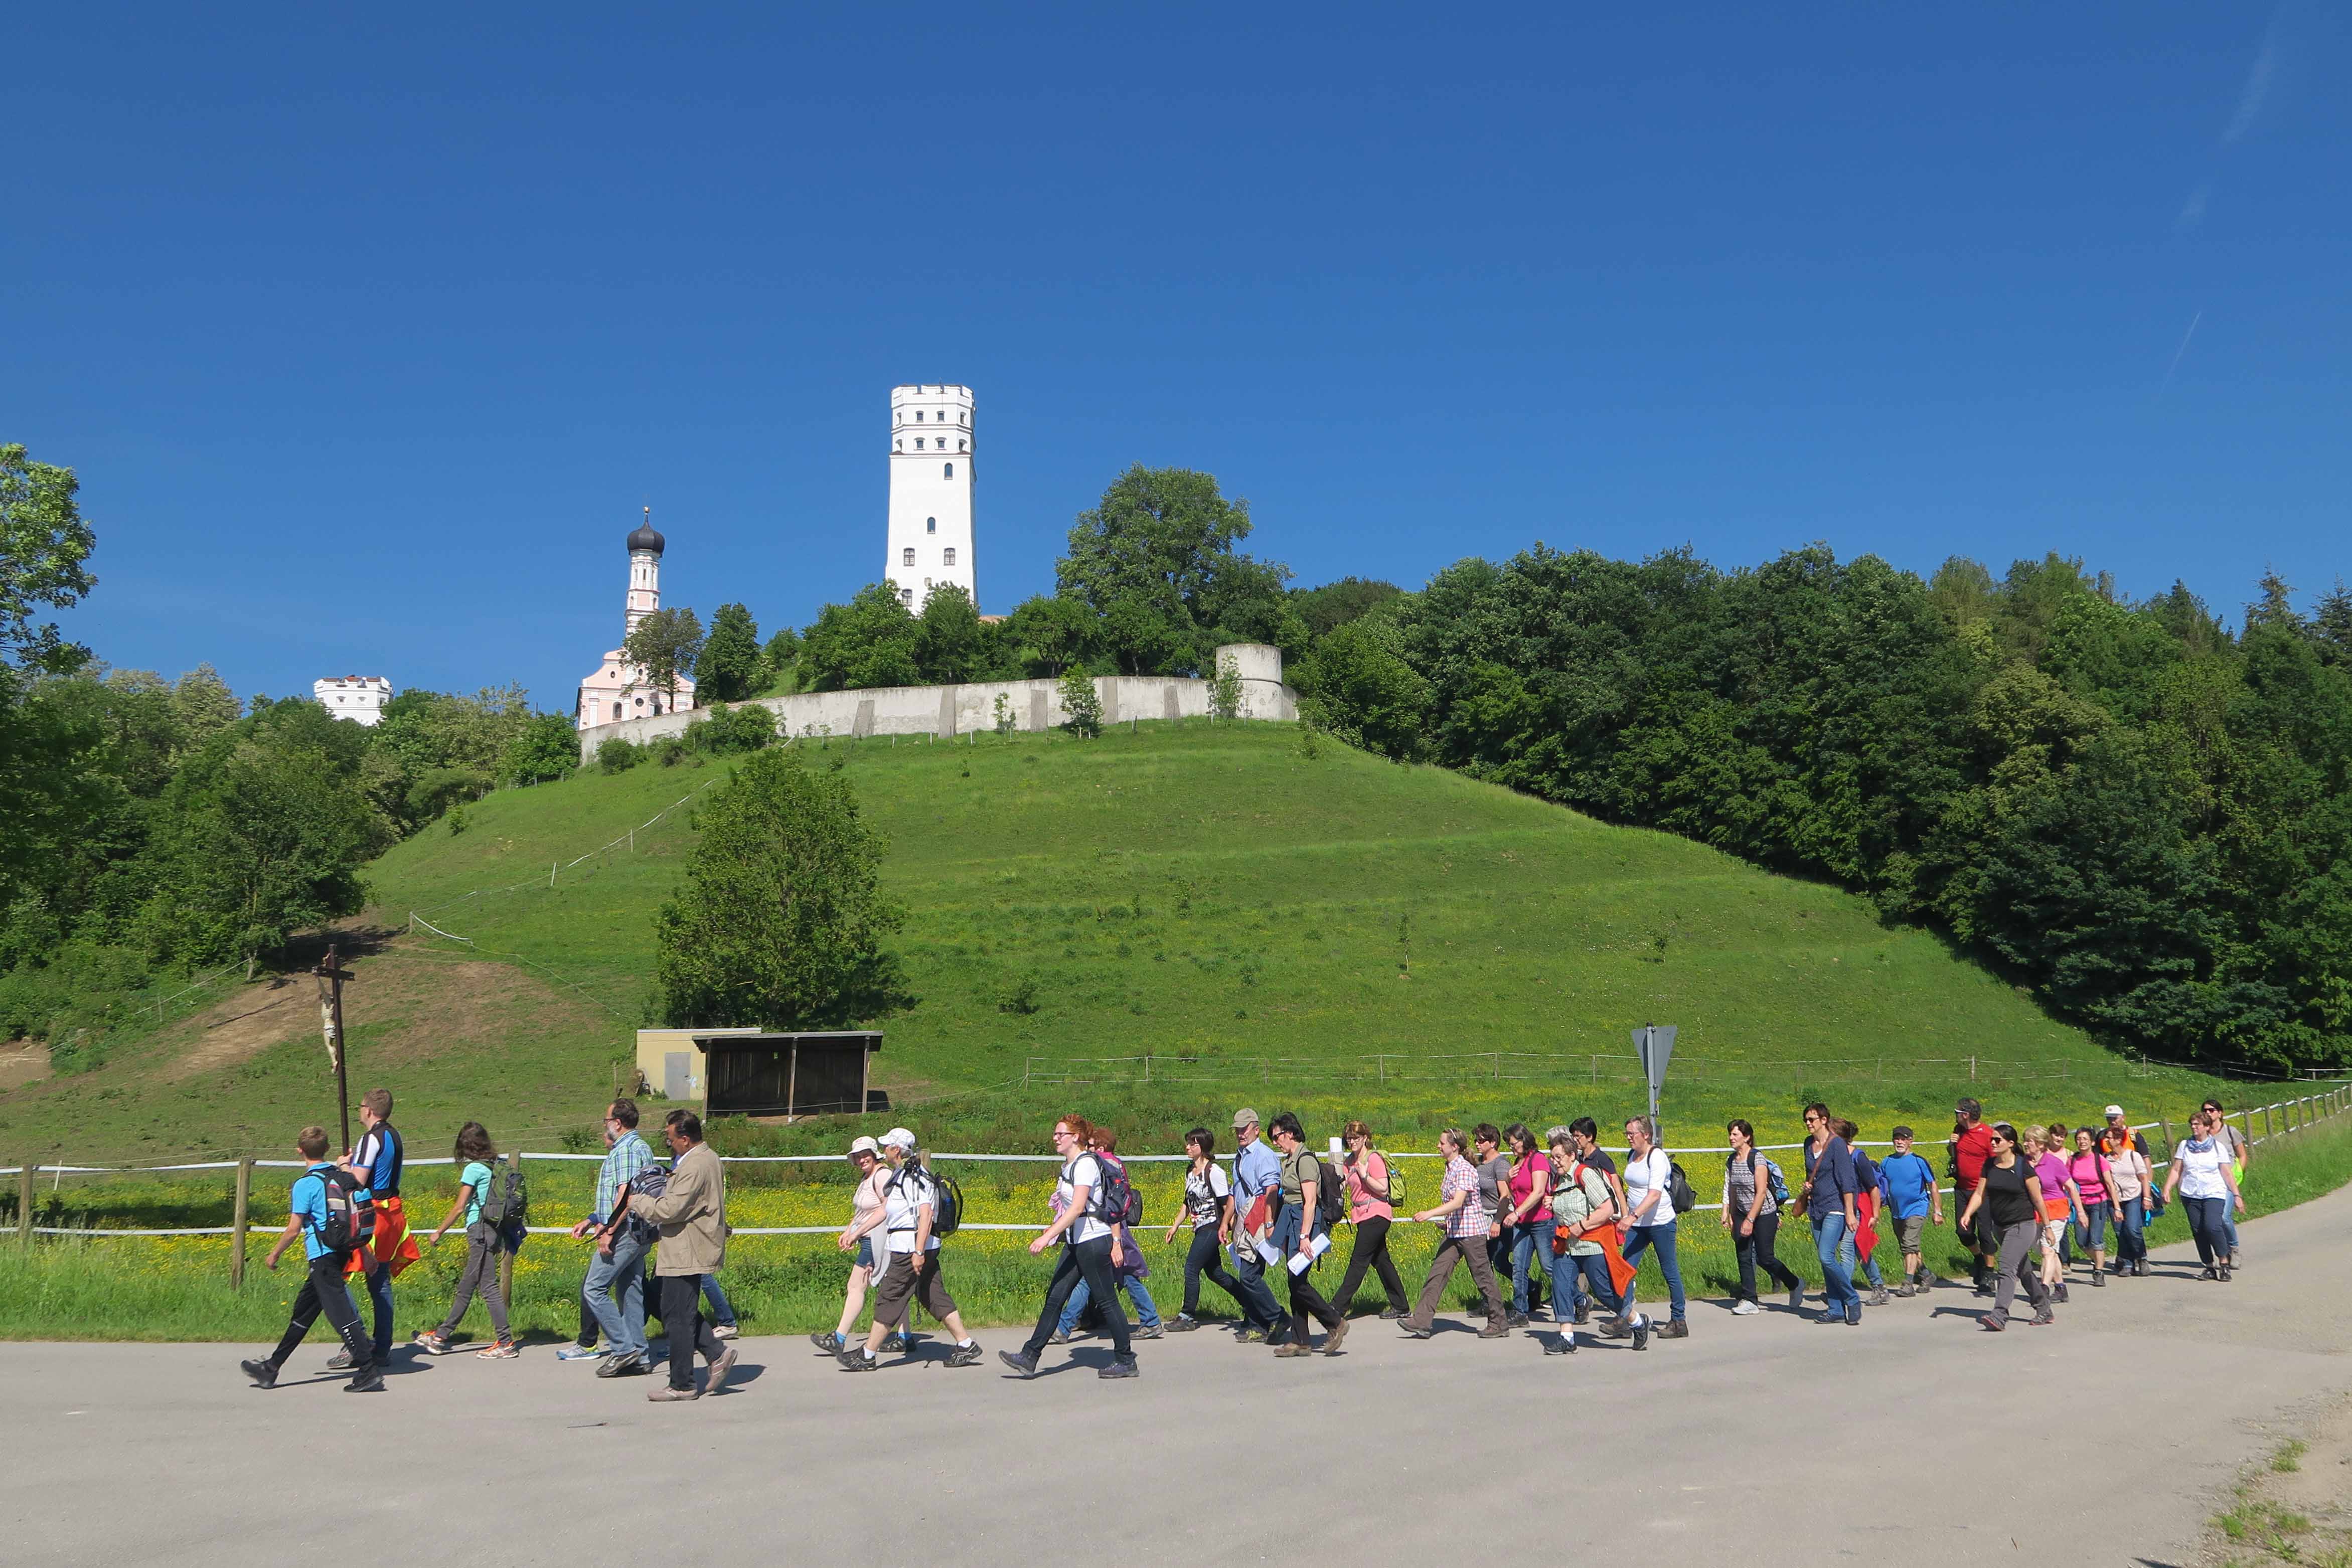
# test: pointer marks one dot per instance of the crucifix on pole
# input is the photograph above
(332, 975)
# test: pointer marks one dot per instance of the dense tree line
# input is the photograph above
(2124, 806)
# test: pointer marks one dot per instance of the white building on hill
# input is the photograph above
(619, 689)
(359, 698)
(931, 447)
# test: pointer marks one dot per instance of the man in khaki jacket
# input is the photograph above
(691, 1214)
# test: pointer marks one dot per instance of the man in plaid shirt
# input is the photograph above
(620, 1254)
(1465, 1242)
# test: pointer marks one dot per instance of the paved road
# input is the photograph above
(1915, 1438)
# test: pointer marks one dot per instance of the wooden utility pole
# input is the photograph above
(238, 1223)
(332, 975)
(24, 1179)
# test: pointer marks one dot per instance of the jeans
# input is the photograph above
(323, 1291)
(1524, 1240)
(1090, 1261)
(2207, 1226)
(2230, 1224)
(722, 1311)
(2131, 1232)
(623, 1322)
(682, 1316)
(1588, 1273)
(1371, 1251)
(2094, 1227)
(1206, 1257)
(1306, 1301)
(1660, 1240)
(1454, 1250)
(1837, 1284)
(1256, 1295)
(483, 1249)
(1147, 1312)
(1760, 1249)
(379, 1288)
(2017, 1247)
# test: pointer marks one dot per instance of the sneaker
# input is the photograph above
(1291, 1348)
(1121, 1366)
(623, 1366)
(1515, 1320)
(1026, 1365)
(1182, 1323)
(1676, 1328)
(1151, 1331)
(1395, 1311)
(498, 1350)
(1414, 1331)
(2041, 1318)
(1331, 1341)
(431, 1342)
(1745, 1309)
(1583, 1313)
(340, 1362)
(1990, 1324)
(893, 1343)
(725, 1330)
(830, 1344)
(2207, 1274)
(1641, 1333)
(1854, 1317)
(965, 1355)
(1878, 1297)
(2098, 1278)
(1249, 1334)
(2059, 1291)
(368, 1378)
(1061, 1337)
(1614, 1327)
(1559, 1344)
(1833, 1316)
(2225, 1273)
(663, 1393)
(854, 1358)
(1796, 1297)
(263, 1373)
(583, 1352)
(719, 1370)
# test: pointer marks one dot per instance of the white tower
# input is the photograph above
(930, 492)
(619, 689)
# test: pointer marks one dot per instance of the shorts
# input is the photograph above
(903, 1282)
(2053, 1231)
(1909, 1234)
(865, 1253)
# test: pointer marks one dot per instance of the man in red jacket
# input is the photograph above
(1971, 1145)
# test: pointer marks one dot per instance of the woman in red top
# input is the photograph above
(1526, 1217)
(1371, 1208)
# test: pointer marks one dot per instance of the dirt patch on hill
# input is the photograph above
(22, 1062)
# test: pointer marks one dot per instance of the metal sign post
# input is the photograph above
(1655, 1044)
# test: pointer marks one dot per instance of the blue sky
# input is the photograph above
(369, 338)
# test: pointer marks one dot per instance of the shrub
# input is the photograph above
(1081, 704)
(1020, 996)
(616, 755)
(669, 751)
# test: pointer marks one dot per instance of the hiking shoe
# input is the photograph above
(1676, 1328)
(498, 1350)
(1414, 1331)
(368, 1378)
(1026, 1365)
(1559, 1344)
(1151, 1331)
(830, 1344)
(1641, 1333)
(623, 1366)
(1515, 1320)
(1583, 1312)
(1990, 1323)
(1121, 1366)
(1182, 1323)
(719, 1370)
(1061, 1337)
(893, 1342)
(1248, 1334)
(1613, 1328)
(2207, 1274)
(1904, 1292)
(431, 1342)
(854, 1358)
(663, 1393)
(2059, 1290)
(1289, 1349)
(1831, 1315)
(1331, 1341)
(1496, 1329)
(340, 1362)
(1878, 1297)
(965, 1355)
(2225, 1273)
(725, 1330)
(2098, 1278)
(263, 1373)
(2041, 1318)
(581, 1353)
(1745, 1309)
(1395, 1311)
(1796, 1297)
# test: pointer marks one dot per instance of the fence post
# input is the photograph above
(24, 1179)
(236, 1231)
(1972, 1069)
(2168, 1144)
(2266, 1122)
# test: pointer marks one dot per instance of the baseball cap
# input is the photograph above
(1900, 1133)
(1245, 1117)
(867, 1146)
(900, 1138)
(2112, 1110)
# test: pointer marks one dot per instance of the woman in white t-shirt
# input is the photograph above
(864, 1218)
(1649, 1215)
(2203, 1175)
(1208, 1194)
(910, 1269)
(1089, 1246)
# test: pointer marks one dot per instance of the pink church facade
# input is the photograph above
(619, 689)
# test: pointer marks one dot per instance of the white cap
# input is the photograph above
(867, 1146)
(2114, 1110)
(898, 1137)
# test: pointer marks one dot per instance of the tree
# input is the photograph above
(777, 659)
(1156, 559)
(952, 644)
(546, 748)
(870, 641)
(203, 706)
(665, 645)
(2331, 625)
(1081, 705)
(1326, 609)
(728, 669)
(2277, 605)
(1052, 633)
(780, 919)
(1365, 692)
(43, 544)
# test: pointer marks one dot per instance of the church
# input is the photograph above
(619, 689)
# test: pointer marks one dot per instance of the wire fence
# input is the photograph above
(2259, 1124)
(1518, 1067)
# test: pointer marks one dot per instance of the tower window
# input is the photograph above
(950, 555)
(906, 556)
(905, 596)
(918, 443)
(950, 468)
(930, 525)
(898, 446)
(958, 446)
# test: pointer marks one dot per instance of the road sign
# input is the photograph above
(1655, 1044)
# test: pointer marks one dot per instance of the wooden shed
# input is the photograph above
(787, 1075)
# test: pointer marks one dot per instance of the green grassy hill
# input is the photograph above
(1330, 931)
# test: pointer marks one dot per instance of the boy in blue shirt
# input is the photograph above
(1908, 1183)
(324, 1289)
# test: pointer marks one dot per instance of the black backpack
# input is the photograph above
(1330, 1196)
(506, 1205)
(947, 1199)
(650, 1182)
(1117, 1202)
(350, 1212)
(1678, 1188)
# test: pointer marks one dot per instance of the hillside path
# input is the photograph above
(1778, 1441)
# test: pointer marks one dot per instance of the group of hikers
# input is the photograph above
(1554, 1216)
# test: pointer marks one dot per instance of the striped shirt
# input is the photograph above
(627, 1156)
